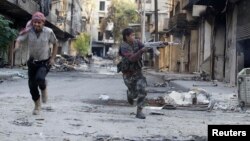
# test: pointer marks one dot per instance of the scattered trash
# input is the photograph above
(169, 107)
(22, 122)
(230, 105)
(152, 108)
(41, 135)
(104, 97)
(211, 105)
(103, 138)
(159, 101)
(195, 96)
(70, 63)
(156, 113)
(160, 85)
(20, 75)
(197, 100)
(76, 133)
(40, 119)
(205, 85)
(48, 109)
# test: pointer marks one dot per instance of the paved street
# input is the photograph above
(75, 112)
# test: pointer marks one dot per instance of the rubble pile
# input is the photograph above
(197, 100)
(230, 105)
(70, 63)
(193, 97)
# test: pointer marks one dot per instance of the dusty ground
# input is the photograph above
(76, 113)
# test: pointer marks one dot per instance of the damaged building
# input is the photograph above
(214, 36)
(63, 16)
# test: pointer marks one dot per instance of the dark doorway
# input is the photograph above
(243, 54)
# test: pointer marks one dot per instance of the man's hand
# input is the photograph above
(145, 49)
(17, 45)
(165, 43)
(51, 61)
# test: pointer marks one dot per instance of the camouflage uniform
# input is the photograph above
(136, 84)
(132, 72)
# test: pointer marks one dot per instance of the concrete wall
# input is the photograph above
(207, 44)
(230, 62)
(193, 64)
(28, 5)
(185, 52)
(206, 47)
(219, 55)
(77, 19)
(65, 46)
(162, 60)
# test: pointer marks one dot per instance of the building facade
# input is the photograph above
(62, 16)
(214, 36)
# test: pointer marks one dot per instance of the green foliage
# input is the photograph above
(82, 44)
(121, 13)
(7, 34)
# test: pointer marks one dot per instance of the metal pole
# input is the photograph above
(72, 14)
(143, 21)
(156, 20)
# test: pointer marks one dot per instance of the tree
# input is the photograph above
(89, 8)
(82, 44)
(121, 13)
(7, 35)
(88, 12)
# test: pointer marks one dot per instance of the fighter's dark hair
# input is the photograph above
(126, 32)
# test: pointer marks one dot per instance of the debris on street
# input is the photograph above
(187, 98)
(104, 97)
(196, 99)
(160, 85)
(156, 113)
(6, 74)
(69, 63)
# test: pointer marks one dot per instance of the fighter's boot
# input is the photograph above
(139, 113)
(44, 95)
(37, 108)
(130, 100)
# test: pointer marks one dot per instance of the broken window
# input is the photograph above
(102, 6)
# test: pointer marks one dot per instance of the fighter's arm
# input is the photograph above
(130, 55)
(20, 39)
(54, 42)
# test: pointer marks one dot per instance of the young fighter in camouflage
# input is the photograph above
(131, 51)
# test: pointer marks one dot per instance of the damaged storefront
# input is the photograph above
(217, 42)
(243, 35)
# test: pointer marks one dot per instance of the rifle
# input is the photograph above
(154, 45)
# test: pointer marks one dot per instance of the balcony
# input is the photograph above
(177, 21)
(216, 4)
(18, 9)
(188, 4)
(20, 12)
